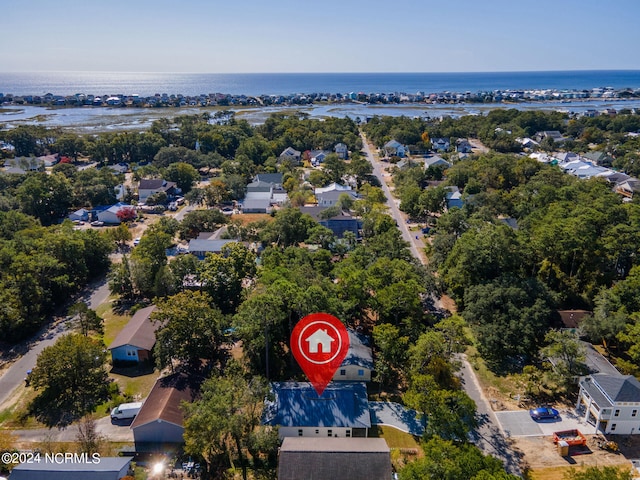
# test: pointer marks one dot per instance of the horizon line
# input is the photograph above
(325, 73)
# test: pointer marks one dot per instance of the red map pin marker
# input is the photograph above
(319, 343)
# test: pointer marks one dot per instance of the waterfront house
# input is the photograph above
(334, 458)
(611, 403)
(134, 343)
(341, 411)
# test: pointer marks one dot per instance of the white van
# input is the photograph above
(126, 410)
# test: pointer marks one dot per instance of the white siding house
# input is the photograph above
(611, 403)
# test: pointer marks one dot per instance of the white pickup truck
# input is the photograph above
(126, 410)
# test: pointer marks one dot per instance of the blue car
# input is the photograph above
(543, 413)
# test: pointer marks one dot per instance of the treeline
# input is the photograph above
(41, 268)
(216, 138)
(500, 128)
(529, 240)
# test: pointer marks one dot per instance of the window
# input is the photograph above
(348, 433)
(361, 373)
(634, 413)
(343, 372)
(613, 427)
(317, 431)
(617, 413)
(300, 432)
(329, 433)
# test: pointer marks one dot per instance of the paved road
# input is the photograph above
(14, 376)
(392, 203)
(488, 437)
(114, 433)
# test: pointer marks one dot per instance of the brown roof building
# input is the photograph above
(334, 458)
(135, 341)
(160, 420)
(572, 318)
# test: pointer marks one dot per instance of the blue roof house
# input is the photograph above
(341, 411)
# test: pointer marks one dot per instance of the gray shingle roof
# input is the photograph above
(334, 458)
(619, 388)
(139, 332)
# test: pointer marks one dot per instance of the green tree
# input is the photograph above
(189, 329)
(46, 197)
(566, 353)
(199, 221)
(223, 426)
(72, 378)
(183, 174)
(446, 460)
(450, 413)
(87, 319)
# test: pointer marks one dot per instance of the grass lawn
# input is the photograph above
(554, 473)
(113, 323)
(395, 438)
(496, 387)
(132, 383)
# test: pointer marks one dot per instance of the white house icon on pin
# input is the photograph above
(320, 338)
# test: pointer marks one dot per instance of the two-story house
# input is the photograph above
(611, 402)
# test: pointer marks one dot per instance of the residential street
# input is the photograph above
(14, 375)
(414, 244)
(488, 437)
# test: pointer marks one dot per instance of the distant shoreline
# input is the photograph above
(233, 101)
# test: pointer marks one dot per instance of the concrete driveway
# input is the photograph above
(395, 415)
(518, 423)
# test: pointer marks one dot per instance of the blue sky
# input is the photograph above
(237, 36)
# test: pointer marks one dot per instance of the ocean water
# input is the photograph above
(147, 84)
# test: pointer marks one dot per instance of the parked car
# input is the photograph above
(542, 413)
(97, 223)
(136, 241)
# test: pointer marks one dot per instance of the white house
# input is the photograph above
(342, 151)
(110, 215)
(611, 402)
(394, 148)
(358, 364)
(341, 411)
(436, 161)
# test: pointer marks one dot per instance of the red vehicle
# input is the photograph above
(572, 437)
